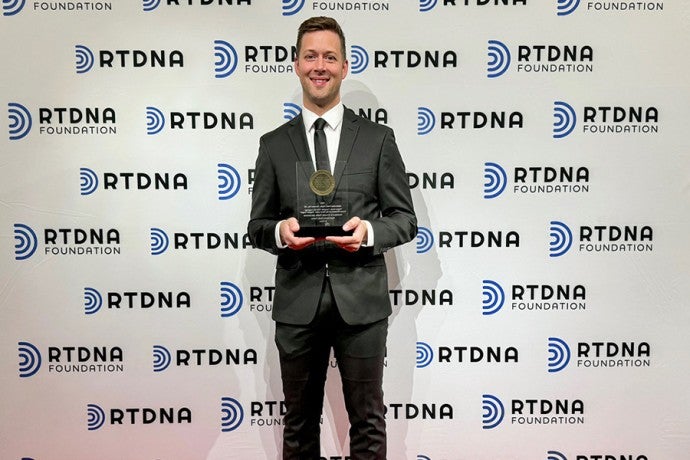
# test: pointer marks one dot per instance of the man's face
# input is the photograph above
(320, 67)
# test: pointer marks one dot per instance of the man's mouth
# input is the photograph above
(319, 81)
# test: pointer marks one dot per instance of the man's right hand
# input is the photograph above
(287, 230)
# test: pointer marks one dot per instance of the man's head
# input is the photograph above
(321, 23)
(320, 64)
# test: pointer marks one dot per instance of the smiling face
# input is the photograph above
(321, 67)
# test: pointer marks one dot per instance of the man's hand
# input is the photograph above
(287, 235)
(354, 242)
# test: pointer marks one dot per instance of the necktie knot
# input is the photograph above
(319, 124)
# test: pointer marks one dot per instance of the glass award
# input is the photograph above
(322, 204)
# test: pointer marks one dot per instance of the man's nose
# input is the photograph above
(320, 63)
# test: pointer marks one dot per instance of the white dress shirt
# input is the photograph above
(334, 124)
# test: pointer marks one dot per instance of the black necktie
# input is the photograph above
(320, 146)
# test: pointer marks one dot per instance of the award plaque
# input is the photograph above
(321, 211)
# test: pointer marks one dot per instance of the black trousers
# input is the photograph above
(304, 353)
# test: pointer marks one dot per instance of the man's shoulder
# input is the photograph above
(364, 123)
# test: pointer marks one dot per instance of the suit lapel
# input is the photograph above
(348, 134)
(300, 146)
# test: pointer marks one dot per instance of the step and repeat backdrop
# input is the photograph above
(540, 314)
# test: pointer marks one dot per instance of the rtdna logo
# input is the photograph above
(565, 119)
(84, 57)
(159, 241)
(559, 354)
(425, 121)
(291, 7)
(499, 59)
(161, 358)
(150, 5)
(226, 61)
(555, 455)
(291, 110)
(27, 242)
(427, 5)
(12, 7)
(233, 414)
(95, 417)
(425, 240)
(231, 299)
(359, 59)
(29, 359)
(566, 7)
(155, 121)
(496, 180)
(20, 121)
(93, 301)
(494, 297)
(229, 181)
(493, 412)
(89, 181)
(425, 354)
(561, 239)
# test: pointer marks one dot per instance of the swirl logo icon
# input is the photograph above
(291, 7)
(12, 7)
(226, 58)
(161, 358)
(95, 417)
(425, 354)
(425, 240)
(229, 181)
(555, 455)
(29, 359)
(499, 59)
(20, 121)
(159, 241)
(426, 5)
(559, 354)
(150, 5)
(496, 180)
(561, 239)
(565, 119)
(231, 299)
(232, 414)
(566, 7)
(27, 242)
(493, 412)
(85, 58)
(494, 297)
(426, 120)
(360, 59)
(155, 121)
(291, 110)
(93, 301)
(89, 181)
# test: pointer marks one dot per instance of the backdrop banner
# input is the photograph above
(539, 314)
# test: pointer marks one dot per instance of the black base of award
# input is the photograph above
(322, 232)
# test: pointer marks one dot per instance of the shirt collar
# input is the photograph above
(333, 117)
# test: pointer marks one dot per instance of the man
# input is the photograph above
(331, 292)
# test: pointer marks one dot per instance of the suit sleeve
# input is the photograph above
(397, 223)
(265, 211)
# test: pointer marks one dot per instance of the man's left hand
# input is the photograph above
(353, 242)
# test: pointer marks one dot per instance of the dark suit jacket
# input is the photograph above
(378, 191)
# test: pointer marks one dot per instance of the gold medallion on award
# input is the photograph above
(322, 183)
